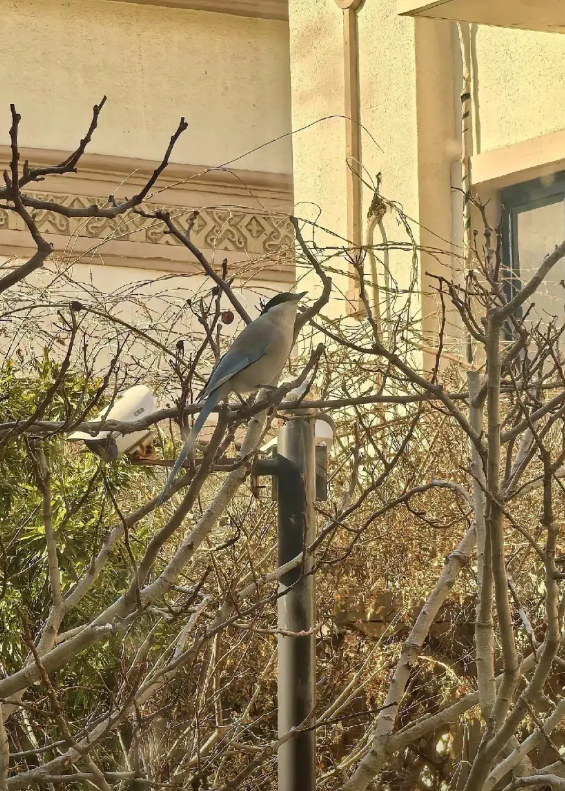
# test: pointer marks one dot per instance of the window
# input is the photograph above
(533, 224)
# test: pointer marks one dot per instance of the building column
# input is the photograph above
(352, 113)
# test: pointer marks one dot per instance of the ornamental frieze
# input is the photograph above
(221, 228)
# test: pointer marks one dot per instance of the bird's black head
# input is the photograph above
(280, 298)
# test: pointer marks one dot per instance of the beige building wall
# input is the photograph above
(228, 75)
(231, 76)
(410, 80)
(406, 99)
(317, 108)
(519, 85)
(153, 304)
(388, 83)
(316, 64)
(406, 83)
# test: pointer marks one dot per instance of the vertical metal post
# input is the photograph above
(296, 607)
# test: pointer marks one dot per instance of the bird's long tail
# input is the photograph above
(190, 441)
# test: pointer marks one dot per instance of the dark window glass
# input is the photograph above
(534, 223)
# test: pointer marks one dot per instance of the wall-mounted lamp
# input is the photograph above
(324, 433)
(137, 402)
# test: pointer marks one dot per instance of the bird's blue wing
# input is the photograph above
(232, 363)
(206, 389)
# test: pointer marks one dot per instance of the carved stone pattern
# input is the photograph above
(224, 229)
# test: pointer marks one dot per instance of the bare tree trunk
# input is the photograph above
(372, 763)
(495, 528)
(484, 629)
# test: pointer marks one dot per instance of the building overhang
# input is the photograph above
(537, 157)
(262, 9)
(542, 15)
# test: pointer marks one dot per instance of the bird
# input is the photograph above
(255, 359)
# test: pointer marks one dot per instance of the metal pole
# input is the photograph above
(296, 496)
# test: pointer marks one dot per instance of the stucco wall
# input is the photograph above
(387, 76)
(406, 78)
(151, 301)
(401, 108)
(228, 75)
(407, 111)
(316, 57)
(519, 81)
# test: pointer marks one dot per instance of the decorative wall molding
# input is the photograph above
(243, 215)
(220, 228)
(262, 9)
(103, 171)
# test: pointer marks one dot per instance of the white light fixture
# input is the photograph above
(324, 431)
(137, 402)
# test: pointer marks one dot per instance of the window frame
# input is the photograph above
(514, 200)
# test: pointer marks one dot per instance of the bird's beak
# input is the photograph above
(298, 297)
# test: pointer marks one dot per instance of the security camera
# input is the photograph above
(135, 403)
